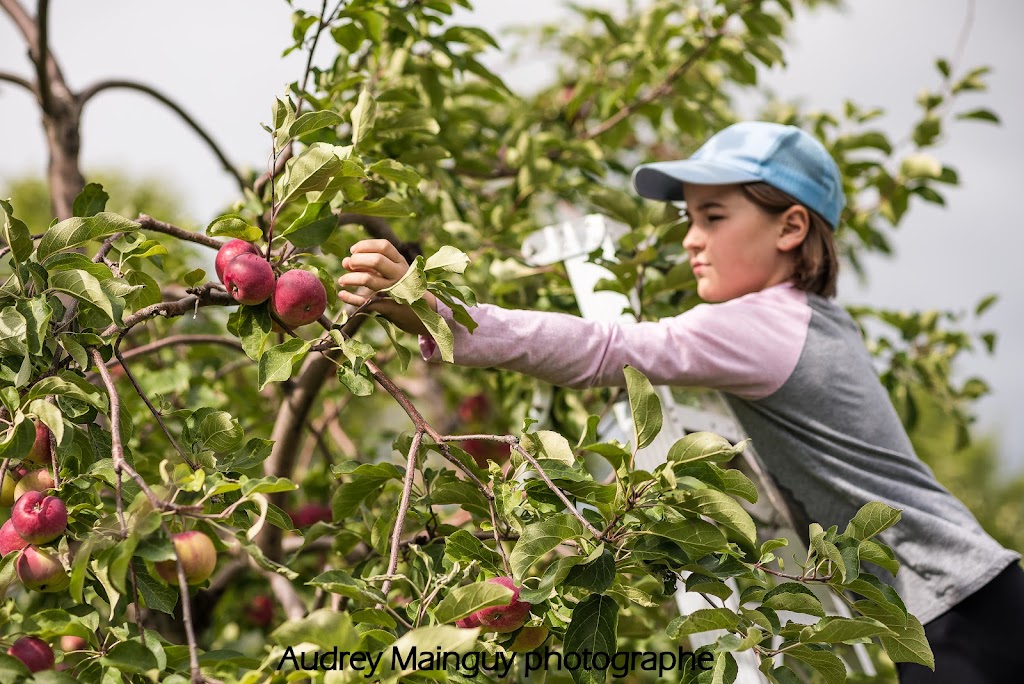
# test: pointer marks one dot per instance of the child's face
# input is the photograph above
(733, 244)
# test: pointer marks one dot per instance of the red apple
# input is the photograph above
(40, 452)
(484, 451)
(249, 279)
(70, 642)
(309, 513)
(34, 652)
(10, 540)
(198, 558)
(299, 298)
(528, 639)
(33, 481)
(506, 618)
(39, 519)
(229, 251)
(41, 570)
(474, 409)
(468, 622)
(260, 610)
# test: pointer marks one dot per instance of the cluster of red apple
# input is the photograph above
(38, 519)
(507, 618)
(297, 297)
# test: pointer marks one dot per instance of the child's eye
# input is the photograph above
(712, 219)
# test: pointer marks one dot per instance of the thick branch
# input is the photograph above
(96, 88)
(30, 32)
(207, 296)
(42, 50)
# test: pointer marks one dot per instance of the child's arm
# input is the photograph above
(373, 266)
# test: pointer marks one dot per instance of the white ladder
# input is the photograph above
(571, 243)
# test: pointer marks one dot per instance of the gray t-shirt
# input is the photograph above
(795, 370)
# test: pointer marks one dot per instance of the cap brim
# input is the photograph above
(663, 180)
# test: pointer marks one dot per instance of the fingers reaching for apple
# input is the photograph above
(374, 265)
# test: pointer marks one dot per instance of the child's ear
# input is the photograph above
(793, 226)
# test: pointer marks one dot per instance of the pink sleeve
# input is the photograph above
(748, 346)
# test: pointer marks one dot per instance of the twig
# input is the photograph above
(96, 88)
(152, 409)
(557, 491)
(17, 80)
(150, 223)
(403, 509)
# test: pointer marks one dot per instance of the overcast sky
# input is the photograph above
(221, 61)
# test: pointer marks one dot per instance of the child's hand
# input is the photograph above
(376, 265)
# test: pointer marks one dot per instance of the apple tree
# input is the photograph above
(211, 473)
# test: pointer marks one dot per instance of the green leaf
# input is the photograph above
(233, 226)
(697, 537)
(363, 115)
(401, 657)
(466, 600)
(77, 231)
(276, 363)
(618, 204)
(385, 207)
(701, 446)
(702, 620)
(645, 406)
(872, 519)
(594, 628)
(50, 415)
(979, 115)
(540, 538)
(254, 328)
(91, 201)
(723, 509)
(85, 287)
(397, 172)
(794, 597)
(827, 664)
(438, 329)
(15, 233)
(832, 630)
(314, 121)
(448, 259)
(596, 576)
(909, 645)
(130, 656)
(325, 627)
(13, 332)
(210, 430)
(341, 583)
(462, 547)
(550, 445)
(255, 452)
(359, 383)
(313, 227)
(312, 170)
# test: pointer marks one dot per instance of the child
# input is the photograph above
(763, 201)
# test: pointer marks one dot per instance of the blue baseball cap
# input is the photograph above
(783, 156)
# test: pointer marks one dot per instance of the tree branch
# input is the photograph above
(205, 296)
(176, 340)
(657, 92)
(403, 509)
(42, 51)
(18, 80)
(99, 87)
(150, 223)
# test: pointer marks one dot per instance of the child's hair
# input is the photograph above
(817, 266)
